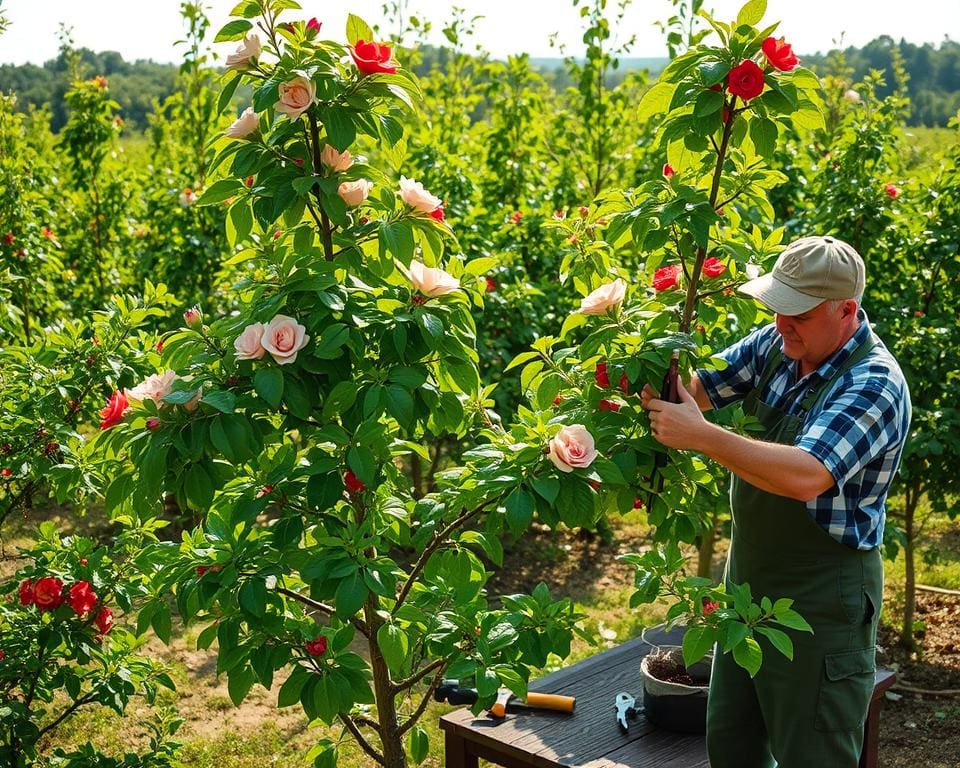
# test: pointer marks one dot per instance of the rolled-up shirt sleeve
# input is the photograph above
(744, 364)
(853, 428)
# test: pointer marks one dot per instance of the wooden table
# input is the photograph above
(590, 737)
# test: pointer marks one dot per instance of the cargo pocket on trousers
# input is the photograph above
(845, 689)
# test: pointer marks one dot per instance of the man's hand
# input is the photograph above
(675, 425)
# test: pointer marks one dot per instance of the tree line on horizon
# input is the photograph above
(138, 86)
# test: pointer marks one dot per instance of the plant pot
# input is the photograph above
(676, 706)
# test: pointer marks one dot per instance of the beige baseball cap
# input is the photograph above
(810, 271)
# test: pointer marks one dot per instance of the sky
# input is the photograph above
(148, 29)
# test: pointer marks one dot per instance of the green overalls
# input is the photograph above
(808, 713)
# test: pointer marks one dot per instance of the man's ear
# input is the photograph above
(849, 307)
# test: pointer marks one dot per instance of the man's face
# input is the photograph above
(815, 335)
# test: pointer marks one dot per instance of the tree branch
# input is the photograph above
(364, 744)
(412, 720)
(411, 681)
(323, 608)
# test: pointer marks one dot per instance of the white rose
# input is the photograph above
(432, 281)
(248, 50)
(572, 447)
(604, 298)
(155, 387)
(283, 337)
(249, 344)
(337, 162)
(296, 96)
(417, 197)
(355, 192)
(244, 125)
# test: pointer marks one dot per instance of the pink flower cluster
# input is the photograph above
(282, 337)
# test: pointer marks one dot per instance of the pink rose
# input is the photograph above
(572, 447)
(354, 192)
(851, 96)
(246, 52)
(432, 281)
(283, 337)
(244, 125)
(296, 96)
(417, 197)
(337, 162)
(155, 387)
(604, 298)
(248, 344)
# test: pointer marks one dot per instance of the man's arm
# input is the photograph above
(781, 469)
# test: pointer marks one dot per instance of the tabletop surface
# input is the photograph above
(591, 737)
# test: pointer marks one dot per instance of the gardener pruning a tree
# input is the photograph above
(807, 499)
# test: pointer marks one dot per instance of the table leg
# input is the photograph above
(456, 754)
(871, 735)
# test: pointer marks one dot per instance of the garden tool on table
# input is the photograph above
(451, 692)
(626, 708)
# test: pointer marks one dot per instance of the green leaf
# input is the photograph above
(519, 505)
(547, 486)
(697, 641)
(398, 239)
(253, 597)
(418, 743)
(780, 640)
(748, 655)
(291, 688)
(394, 645)
(222, 400)
(227, 92)
(400, 405)
(341, 131)
(268, 382)
(331, 340)
(350, 595)
(763, 133)
(790, 618)
(358, 29)
(656, 100)
(752, 12)
(239, 682)
(363, 462)
(219, 191)
(233, 30)
(708, 103)
(198, 486)
(161, 622)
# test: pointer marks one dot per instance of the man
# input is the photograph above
(807, 498)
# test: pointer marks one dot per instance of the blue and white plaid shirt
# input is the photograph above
(857, 431)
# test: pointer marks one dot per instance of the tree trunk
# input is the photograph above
(911, 497)
(390, 737)
(707, 547)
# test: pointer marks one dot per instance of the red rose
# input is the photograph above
(892, 190)
(112, 414)
(6, 472)
(713, 267)
(603, 380)
(48, 593)
(745, 80)
(351, 482)
(709, 606)
(373, 58)
(82, 598)
(317, 646)
(26, 592)
(609, 405)
(437, 213)
(780, 54)
(104, 620)
(668, 171)
(491, 285)
(666, 277)
(624, 384)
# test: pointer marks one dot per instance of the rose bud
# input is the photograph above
(709, 606)
(352, 483)
(557, 400)
(609, 405)
(491, 284)
(153, 423)
(313, 26)
(668, 171)
(266, 490)
(515, 218)
(104, 620)
(601, 376)
(583, 211)
(5, 472)
(892, 190)
(193, 317)
(638, 503)
(26, 592)
(317, 646)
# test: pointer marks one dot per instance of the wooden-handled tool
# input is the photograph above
(553, 701)
(450, 691)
